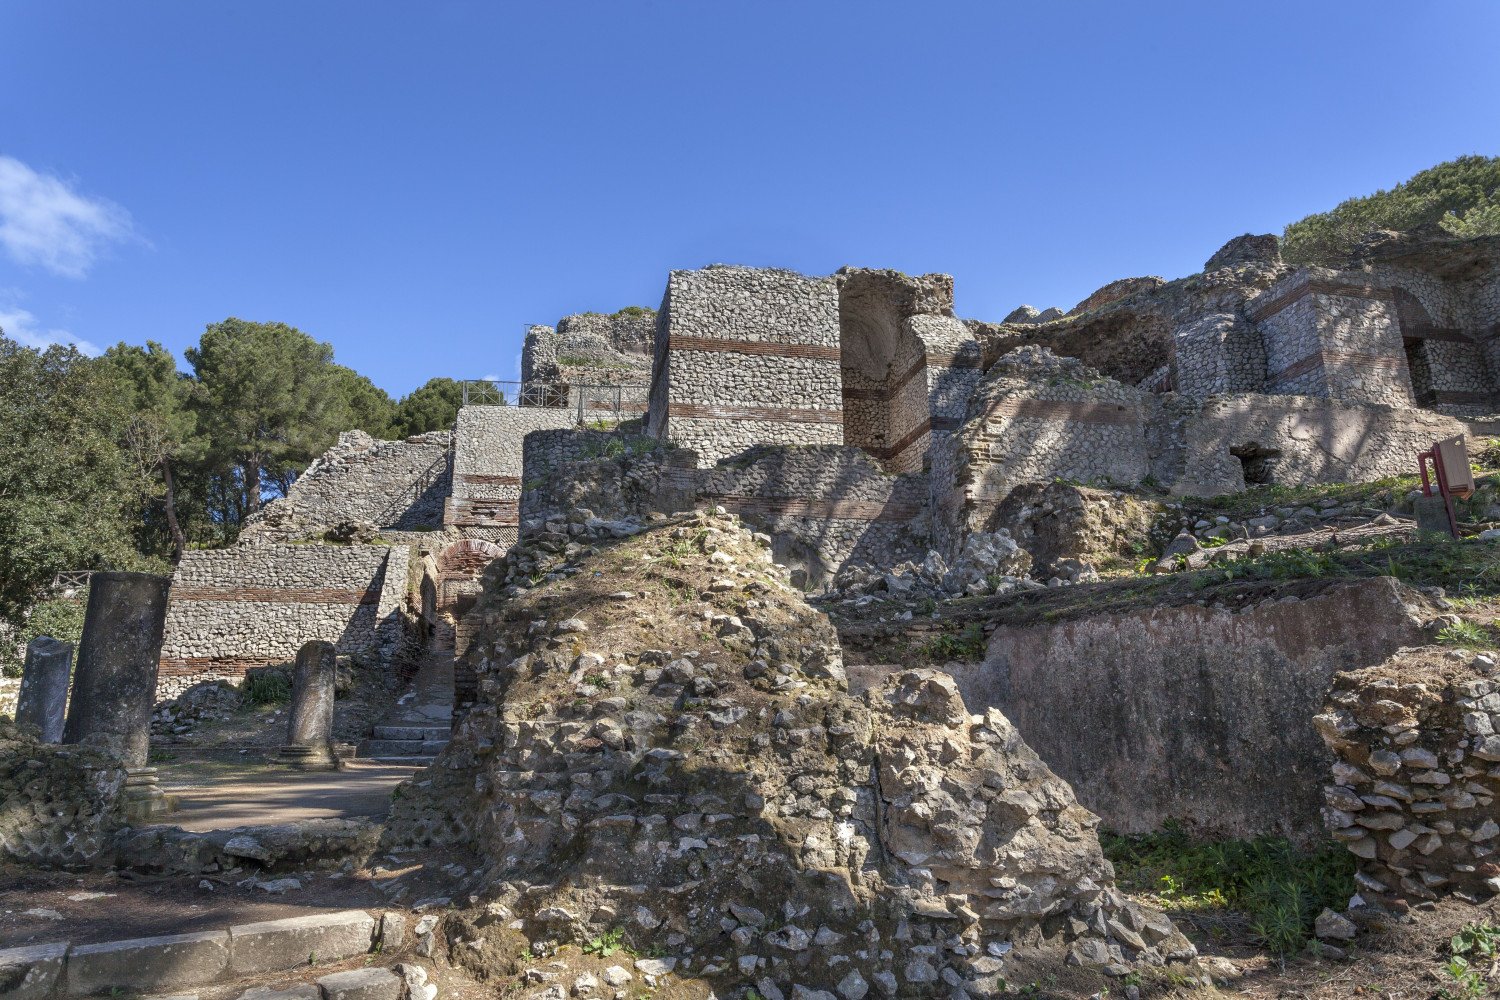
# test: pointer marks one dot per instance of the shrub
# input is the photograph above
(266, 686)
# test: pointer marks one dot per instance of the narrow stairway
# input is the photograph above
(415, 730)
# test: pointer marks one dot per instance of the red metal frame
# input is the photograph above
(1441, 475)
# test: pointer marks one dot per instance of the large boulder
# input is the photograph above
(664, 741)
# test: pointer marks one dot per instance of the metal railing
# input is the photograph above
(608, 404)
(488, 392)
(72, 579)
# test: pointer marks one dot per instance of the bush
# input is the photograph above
(61, 618)
(1462, 196)
(266, 686)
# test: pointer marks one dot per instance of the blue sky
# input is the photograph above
(415, 182)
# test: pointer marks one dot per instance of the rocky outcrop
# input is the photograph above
(664, 742)
(1261, 251)
(1065, 527)
(1116, 290)
(1413, 784)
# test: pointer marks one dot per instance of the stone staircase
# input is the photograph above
(417, 729)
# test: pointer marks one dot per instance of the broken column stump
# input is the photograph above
(43, 701)
(309, 731)
(114, 687)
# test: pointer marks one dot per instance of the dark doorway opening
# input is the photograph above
(1257, 463)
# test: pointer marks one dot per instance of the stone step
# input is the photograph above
(410, 732)
(402, 761)
(402, 748)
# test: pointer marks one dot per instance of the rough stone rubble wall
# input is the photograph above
(824, 507)
(391, 484)
(747, 356)
(1412, 786)
(232, 609)
(1199, 714)
(489, 465)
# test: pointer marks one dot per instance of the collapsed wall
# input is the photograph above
(247, 606)
(399, 485)
(664, 739)
(61, 804)
(1200, 714)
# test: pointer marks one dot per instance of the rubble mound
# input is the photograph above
(1069, 529)
(1247, 250)
(58, 804)
(664, 748)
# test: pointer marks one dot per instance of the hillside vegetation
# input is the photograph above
(1462, 196)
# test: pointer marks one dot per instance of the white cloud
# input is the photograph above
(45, 223)
(20, 325)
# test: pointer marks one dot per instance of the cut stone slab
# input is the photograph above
(362, 984)
(276, 945)
(301, 991)
(148, 963)
(32, 971)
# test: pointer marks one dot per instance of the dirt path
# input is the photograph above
(218, 797)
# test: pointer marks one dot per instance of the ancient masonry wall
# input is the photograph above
(1220, 352)
(391, 484)
(232, 609)
(1034, 425)
(488, 465)
(1335, 335)
(824, 506)
(1198, 714)
(1304, 440)
(747, 356)
(1412, 786)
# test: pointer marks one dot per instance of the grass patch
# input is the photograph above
(267, 687)
(1280, 889)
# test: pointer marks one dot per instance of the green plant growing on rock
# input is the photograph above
(1473, 943)
(605, 944)
(967, 645)
(1466, 633)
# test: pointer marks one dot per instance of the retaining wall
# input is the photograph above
(232, 609)
(1198, 714)
(488, 465)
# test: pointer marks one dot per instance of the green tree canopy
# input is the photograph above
(366, 406)
(1462, 196)
(269, 398)
(433, 406)
(68, 496)
(160, 429)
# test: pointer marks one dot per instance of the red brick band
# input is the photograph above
(1436, 333)
(766, 347)
(1056, 409)
(1373, 363)
(1280, 302)
(778, 414)
(477, 479)
(277, 595)
(189, 666)
(906, 440)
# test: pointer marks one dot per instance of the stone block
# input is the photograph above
(362, 984)
(274, 945)
(32, 971)
(148, 963)
(299, 991)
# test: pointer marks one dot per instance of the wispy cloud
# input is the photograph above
(45, 223)
(20, 325)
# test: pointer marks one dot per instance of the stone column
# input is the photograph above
(114, 687)
(309, 730)
(44, 686)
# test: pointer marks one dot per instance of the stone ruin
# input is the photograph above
(652, 727)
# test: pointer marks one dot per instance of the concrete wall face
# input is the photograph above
(233, 609)
(747, 356)
(488, 466)
(1202, 715)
